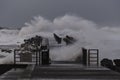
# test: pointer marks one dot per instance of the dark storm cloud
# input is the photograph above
(17, 12)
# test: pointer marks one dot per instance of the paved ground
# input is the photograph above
(61, 72)
(73, 72)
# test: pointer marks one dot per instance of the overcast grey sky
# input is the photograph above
(17, 12)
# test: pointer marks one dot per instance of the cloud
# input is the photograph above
(17, 12)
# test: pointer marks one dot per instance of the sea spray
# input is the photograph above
(87, 33)
(8, 37)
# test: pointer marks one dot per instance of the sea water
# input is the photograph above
(87, 34)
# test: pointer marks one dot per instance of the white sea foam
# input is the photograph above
(87, 33)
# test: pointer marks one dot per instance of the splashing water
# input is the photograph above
(87, 34)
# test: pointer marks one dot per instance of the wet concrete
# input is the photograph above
(61, 72)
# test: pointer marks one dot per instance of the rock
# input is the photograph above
(117, 62)
(107, 63)
(6, 50)
(57, 38)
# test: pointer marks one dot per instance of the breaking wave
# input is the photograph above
(87, 33)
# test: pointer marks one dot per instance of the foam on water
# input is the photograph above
(87, 33)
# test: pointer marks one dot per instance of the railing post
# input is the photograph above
(39, 56)
(89, 57)
(15, 59)
(36, 56)
(97, 57)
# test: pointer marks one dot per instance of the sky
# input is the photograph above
(14, 13)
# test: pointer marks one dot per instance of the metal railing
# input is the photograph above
(30, 57)
(93, 57)
(38, 55)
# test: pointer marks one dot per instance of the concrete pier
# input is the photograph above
(61, 72)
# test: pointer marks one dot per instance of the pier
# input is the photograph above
(61, 72)
(40, 67)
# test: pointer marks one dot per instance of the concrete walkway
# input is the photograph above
(61, 72)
